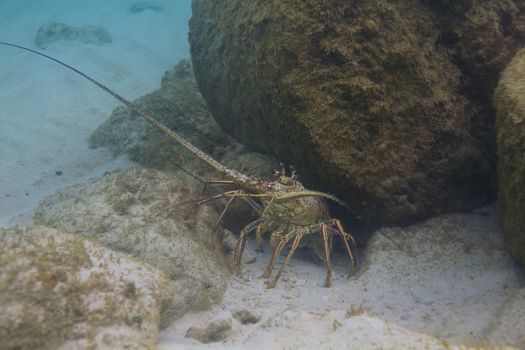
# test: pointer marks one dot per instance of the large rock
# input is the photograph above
(142, 213)
(58, 290)
(510, 105)
(366, 98)
(484, 36)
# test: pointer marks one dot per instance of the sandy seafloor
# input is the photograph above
(47, 114)
(444, 283)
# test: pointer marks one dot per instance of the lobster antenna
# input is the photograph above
(173, 135)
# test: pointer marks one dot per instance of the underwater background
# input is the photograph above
(48, 113)
(110, 239)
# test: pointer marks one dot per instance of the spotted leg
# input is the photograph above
(261, 229)
(328, 280)
(228, 205)
(295, 244)
(277, 252)
(239, 248)
(346, 237)
(259, 237)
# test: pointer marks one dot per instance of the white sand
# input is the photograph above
(449, 281)
(47, 112)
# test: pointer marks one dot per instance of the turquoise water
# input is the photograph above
(48, 112)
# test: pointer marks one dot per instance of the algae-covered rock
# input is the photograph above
(60, 291)
(484, 36)
(180, 106)
(509, 100)
(366, 99)
(142, 213)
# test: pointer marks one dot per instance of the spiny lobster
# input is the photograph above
(288, 210)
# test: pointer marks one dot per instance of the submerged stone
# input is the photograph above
(510, 106)
(212, 332)
(367, 99)
(59, 290)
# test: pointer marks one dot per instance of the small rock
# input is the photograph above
(245, 316)
(55, 31)
(138, 7)
(250, 259)
(300, 283)
(212, 332)
(229, 241)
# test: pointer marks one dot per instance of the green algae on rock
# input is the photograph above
(509, 100)
(364, 98)
(58, 290)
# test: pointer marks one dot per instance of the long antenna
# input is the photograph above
(186, 144)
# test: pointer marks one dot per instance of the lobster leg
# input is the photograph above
(228, 205)
(342, 230)
(259, 237)
(295, 244)
(241, 244)
(260, 230)
(277, 252)
(346, 237)
(244, 196)
(232, 193)
(328, 280)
